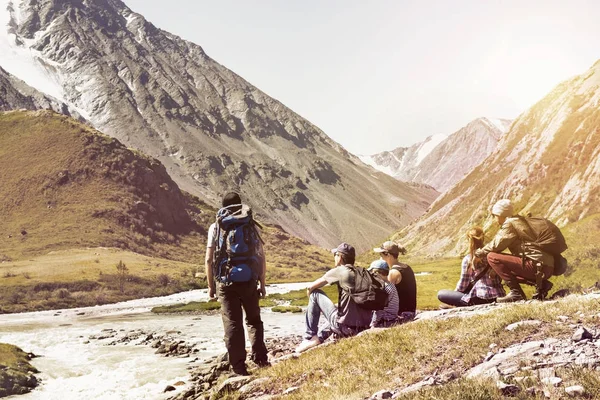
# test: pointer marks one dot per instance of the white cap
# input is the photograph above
(503, 208)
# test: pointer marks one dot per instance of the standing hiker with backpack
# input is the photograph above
(533, 242)
(403, 277)
(349, 318)
(478, 284)
(234, 265)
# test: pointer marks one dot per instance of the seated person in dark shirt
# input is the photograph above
(403, 277)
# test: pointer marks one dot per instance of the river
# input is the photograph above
(73, 367)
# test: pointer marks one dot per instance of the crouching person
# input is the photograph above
(348, 319)
(523, 264)
(389, 315)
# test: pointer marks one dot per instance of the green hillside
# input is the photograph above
(548, 165)
(75, 202)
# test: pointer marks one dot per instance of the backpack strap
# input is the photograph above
(539, 268)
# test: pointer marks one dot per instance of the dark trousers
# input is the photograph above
(511, 268)
(233, 298)
(454, 298)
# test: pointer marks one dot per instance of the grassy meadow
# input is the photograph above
(357, 367)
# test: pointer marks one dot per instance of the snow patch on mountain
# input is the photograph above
(369, 160)
(19, 59)
(430, 143)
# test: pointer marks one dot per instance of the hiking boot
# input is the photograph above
(515, 294)
(541, 295)
(308, 344)
(262, 363)
(511, 297)
(240, 372)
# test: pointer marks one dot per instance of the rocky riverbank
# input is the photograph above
(207, 376)
(532, 365)
(16, 373)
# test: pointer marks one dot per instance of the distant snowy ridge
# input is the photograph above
(442, 160)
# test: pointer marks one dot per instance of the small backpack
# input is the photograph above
(369, 289)
(236, 257)
(545, 236)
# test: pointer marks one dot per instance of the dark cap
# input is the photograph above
(230, 199)
(344, 248)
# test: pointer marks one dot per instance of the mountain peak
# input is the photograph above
(442, 160)
(213, 130)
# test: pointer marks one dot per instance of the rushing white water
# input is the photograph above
(74, 367)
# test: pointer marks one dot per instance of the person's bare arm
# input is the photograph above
(319, 283)
(210, 279)
(263, 275)
(394, 276)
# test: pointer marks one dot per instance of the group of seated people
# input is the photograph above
(484, 269)
(348, 318)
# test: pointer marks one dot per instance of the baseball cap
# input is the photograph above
(379, 264)
(388, 247)
(344, 248)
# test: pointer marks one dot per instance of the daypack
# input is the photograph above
(235, 258)
(544, 235)
(369, 289)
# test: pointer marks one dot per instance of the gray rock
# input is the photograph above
(507, 389)
(581, 333)
(290, 390)
(553, 380)
(382, 394)
(576, 390)
(252, 385)
(543, 373)
(233, 384)
(516, 325)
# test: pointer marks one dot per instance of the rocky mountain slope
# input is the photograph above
(66, 185)
(441, 161)
(16, 94)
(548, 164)
(212, 130)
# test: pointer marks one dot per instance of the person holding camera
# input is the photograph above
(478, 283)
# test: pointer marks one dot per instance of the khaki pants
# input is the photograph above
(233, 298)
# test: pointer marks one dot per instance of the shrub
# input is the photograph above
(163, 280)
(16, 297)
(62, 294)
(122, 271)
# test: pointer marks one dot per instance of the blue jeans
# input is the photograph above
(319, 303)
(454, 298)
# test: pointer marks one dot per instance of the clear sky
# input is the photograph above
(382, 74)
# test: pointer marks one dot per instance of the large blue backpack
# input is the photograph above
(236, 257)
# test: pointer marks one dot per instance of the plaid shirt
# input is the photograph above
(485, 288)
